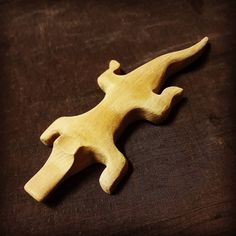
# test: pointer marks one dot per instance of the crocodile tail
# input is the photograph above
(156, 70)
(176, 61)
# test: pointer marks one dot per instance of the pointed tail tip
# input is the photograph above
(204, 40)
(201, 44)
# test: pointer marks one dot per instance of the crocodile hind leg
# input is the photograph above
(157, 107)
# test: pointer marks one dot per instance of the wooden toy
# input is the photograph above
(82, 140)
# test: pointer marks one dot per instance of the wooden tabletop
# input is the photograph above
(182, 173)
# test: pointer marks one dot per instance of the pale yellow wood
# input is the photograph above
(82, 140)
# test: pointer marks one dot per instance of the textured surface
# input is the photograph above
(183, 172)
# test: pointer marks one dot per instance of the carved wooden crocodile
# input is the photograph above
(82, 140)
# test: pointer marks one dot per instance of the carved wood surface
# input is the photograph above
(82, 140)
(181, 178)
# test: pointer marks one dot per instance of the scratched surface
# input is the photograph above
(182, 174)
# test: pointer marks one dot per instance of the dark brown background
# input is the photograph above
(182, 173)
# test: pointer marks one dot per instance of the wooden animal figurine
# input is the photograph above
(82, 140)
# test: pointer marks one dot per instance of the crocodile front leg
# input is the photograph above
(116, 168)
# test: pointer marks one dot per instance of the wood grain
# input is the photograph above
(185, 169)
